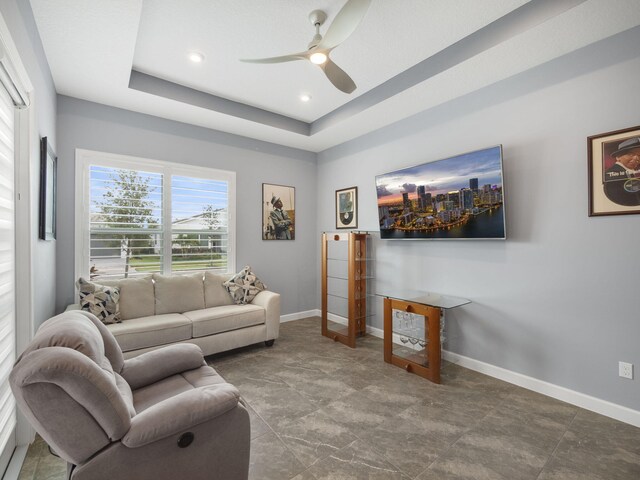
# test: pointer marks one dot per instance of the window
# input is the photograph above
(141, 216)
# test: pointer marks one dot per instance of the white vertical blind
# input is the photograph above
(7, 269)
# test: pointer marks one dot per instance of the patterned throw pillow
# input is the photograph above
(244, 286)
(100, 300)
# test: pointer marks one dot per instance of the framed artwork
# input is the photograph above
(347, 208)
(48, 194)
(278, 212)
(614, 172)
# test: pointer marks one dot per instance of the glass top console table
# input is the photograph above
(413, 325)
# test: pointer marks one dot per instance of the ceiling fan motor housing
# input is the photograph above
(317, 17)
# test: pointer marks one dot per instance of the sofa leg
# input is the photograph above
(269, 343)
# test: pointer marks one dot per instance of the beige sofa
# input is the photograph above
(160, 310)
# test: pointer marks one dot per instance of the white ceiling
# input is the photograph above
(92, 47)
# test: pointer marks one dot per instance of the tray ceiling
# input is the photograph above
(405, 57)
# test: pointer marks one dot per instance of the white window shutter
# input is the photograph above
(7, 269)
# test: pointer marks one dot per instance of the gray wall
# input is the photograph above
(19, 18)
(287, 267)
(558, 300)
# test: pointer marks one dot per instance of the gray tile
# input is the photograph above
(558, 469)
(464, 401)
(522, 429)
(357, 376)
(315, 436)
(50, 468)
(367, 408)
(444, 423)
(406, 444)
(460, 469)
(29, 466)
(306, 475)
(318, 388)
(322, 363)
(620, 434)
(357, 461)
(606, 457)
(478, 456)
(270, 460)
(461, 378)
(318, 396)
(522, 400)
(258, 425)
(277, 404)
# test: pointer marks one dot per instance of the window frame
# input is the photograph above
(87, 158)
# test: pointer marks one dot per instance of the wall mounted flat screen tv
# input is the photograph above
(461, 197)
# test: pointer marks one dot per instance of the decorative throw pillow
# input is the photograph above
(101, 300)
(244, 286)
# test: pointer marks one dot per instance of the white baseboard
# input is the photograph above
(337, 319)
(376, 332)
(597, 405)
(300, 315)
(603, 407)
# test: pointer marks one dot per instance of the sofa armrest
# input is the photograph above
(157, 364)
(270, 301)
(180, 413)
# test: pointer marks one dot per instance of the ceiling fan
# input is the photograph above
(345, 23)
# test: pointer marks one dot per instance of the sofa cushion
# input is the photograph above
(136, 296)
(215, 293)
(151, 331)
(225, 318)
(178, 293)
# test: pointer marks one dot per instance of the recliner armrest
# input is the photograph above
(179, 413)
(155, 365)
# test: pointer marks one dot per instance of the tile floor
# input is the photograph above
(320, 411)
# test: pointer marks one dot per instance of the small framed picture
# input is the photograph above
(278, 212)
(347, 208)
(614, 172)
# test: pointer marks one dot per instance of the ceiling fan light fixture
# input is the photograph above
(196, 57)
(318, 58)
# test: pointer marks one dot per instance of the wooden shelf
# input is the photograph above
(349, 285)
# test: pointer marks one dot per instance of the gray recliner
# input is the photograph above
(162, 415)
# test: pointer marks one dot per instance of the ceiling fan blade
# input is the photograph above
(345, 23)
(283, 58)
(338, 77)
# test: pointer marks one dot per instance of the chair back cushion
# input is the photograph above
(112, 350)
(178, 293)
(65, 385)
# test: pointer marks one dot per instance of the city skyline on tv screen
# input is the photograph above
(458, 197)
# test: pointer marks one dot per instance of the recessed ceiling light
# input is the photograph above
(196, 57)
(305, 97)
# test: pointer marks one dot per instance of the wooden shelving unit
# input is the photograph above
(346, 301)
